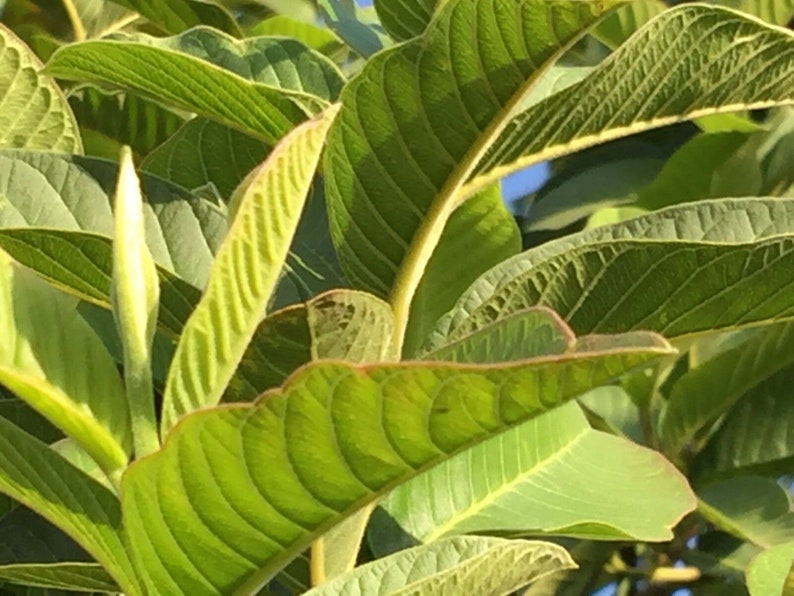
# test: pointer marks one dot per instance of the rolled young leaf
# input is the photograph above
(135, 296)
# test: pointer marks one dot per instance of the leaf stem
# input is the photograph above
(140, 400)
(74, 19)
(317, 562)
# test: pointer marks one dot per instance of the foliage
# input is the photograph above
(295, 342)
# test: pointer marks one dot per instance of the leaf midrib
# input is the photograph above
(452, 195)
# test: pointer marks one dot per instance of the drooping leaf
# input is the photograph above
(109, 121)
(769, 571)
(355, 25)
(415, 122)
(552, 475)
(36, 114)
(343, 325)
(723, 229)
(706, 392)
(43, 360)
(316, 440)
(749, 507)
(175, 16)
(42, 480)
(265, 213)
(462, 565)
(48, 190)
(756, 434)
(404, 19)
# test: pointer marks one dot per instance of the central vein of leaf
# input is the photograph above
(450, 197)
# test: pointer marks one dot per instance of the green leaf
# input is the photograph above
(186, 82)
(203, 152)
(769, 571)
(64, 192)
(39, 478)
(305, 461)
(245, 272)
(607, 184)
(314, 37)
(415, 123)
(653, 80)
(135, 297)
(706, 392)
(108, 121)
(624, 22)
(312, 266)
(175, 16)
(552, 475)
(529, 333)
(462, 565)
(778, 12)
(750, 508)
(43, 361)
(483, 222)
(81, 264)
(756, 433)
(37, 114)
(23, 416)
(723, 229)
(97, 18)
(404, 19)
(77, 577)
(338, 325)
(354, 25)
(45, 556)
(680, 181)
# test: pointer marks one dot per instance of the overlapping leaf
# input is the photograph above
(652, 272)
(47, 190)
(43, 362)
(207, 81)
(357, 26)
(463, 565)
(39, 478)
(266, 210)
(751, 508)
(689, 62)
(551, 475)
(417, 119)
(330, 441)
(36, 114)
(404, 19)
(756, 434)
(177, 15)
(343, 325)
(109, 121)
(770, 572)
(704, 393)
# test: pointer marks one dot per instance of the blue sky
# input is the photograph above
(520, 183)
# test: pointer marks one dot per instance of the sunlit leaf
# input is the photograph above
(265, 211)
(301, 459)
(36, 114)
